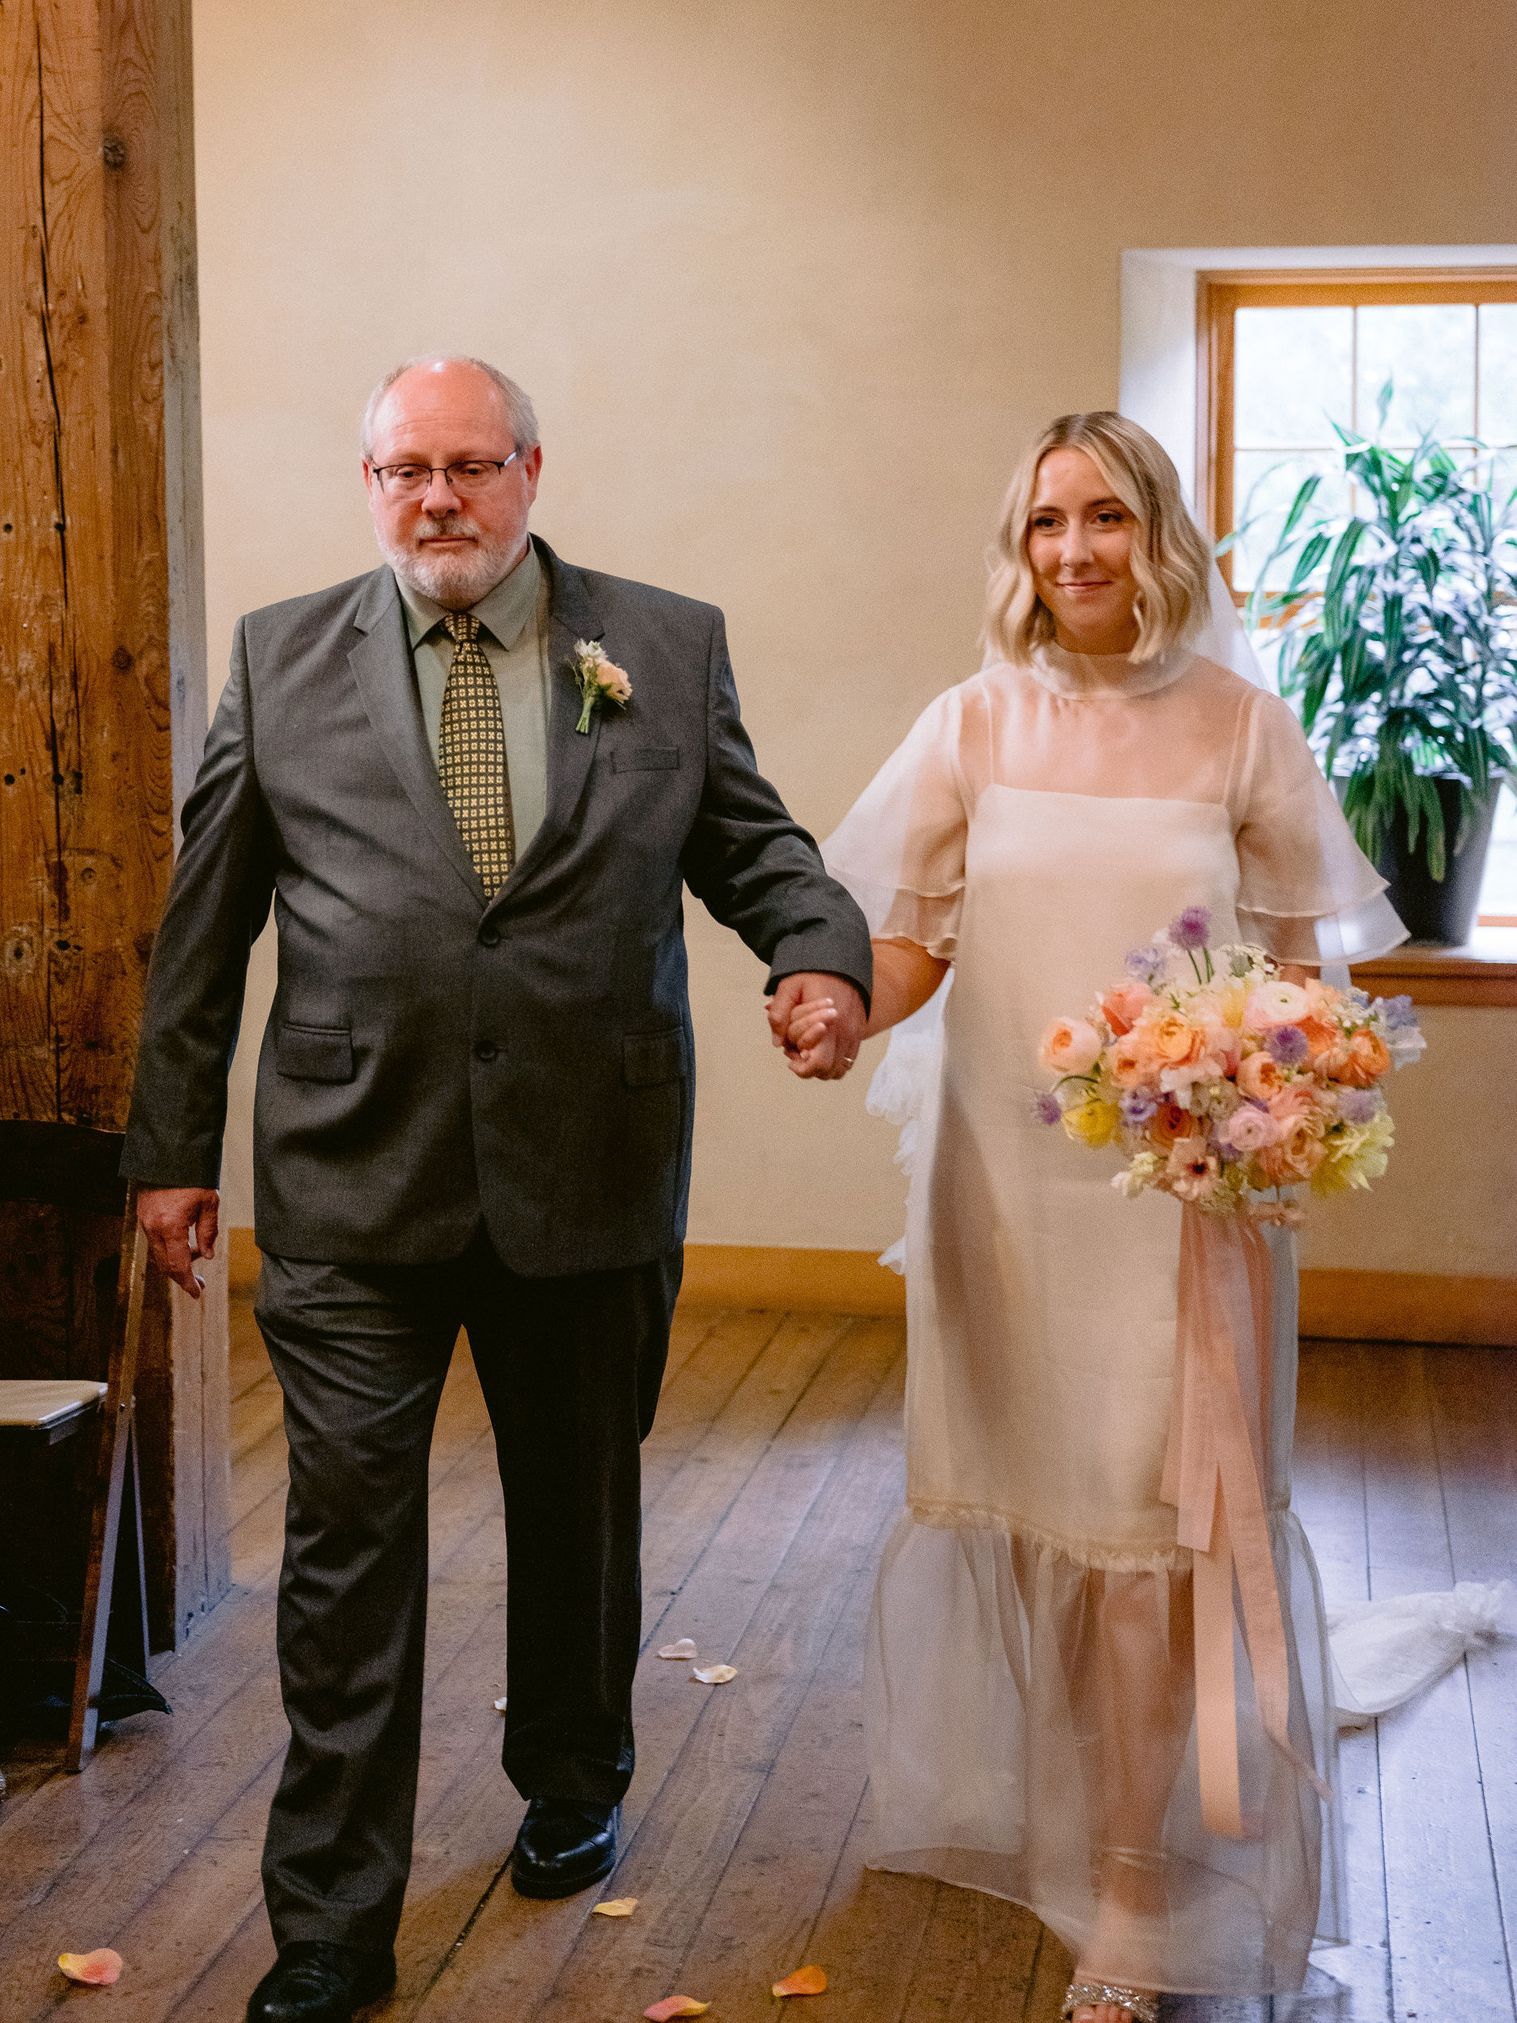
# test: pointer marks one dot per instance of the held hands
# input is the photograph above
(180, 1224)
(819, 1022)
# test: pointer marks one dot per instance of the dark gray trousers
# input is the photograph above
(570, 1369)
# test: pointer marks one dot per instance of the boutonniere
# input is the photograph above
(600, 680)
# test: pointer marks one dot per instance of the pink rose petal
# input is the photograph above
(675, 2005)
(714, 1675)
(685, 1648)
(100, 1969)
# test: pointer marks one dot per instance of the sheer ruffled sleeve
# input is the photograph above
(1307, 892)
(900, 848)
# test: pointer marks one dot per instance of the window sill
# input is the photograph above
(1482, 972)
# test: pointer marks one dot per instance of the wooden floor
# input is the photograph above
(771, 1480)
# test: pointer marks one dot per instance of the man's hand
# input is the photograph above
(819, 1021)
(180, 1225)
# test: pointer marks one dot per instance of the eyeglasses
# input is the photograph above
(473, 475)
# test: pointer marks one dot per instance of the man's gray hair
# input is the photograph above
(520, 415)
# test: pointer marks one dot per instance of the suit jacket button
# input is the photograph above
(485, 1050)
(489, 937)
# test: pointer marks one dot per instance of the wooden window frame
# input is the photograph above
(1478, 974)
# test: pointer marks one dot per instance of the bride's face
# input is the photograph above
(1079, 543)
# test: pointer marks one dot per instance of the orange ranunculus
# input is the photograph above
(1124, 1005)
(1367, 1061)
(1259, 1076)
(1321, 1035)
(1171, 1122)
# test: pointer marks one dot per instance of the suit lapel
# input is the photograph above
(381, 664)
(571, 617)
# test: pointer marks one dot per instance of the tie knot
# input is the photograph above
(460, 626)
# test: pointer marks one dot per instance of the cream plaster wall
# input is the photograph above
(790, 285)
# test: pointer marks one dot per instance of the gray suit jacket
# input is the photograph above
(432, 1059)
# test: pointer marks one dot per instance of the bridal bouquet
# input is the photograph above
(1221, 1082)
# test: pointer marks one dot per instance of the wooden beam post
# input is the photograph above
(102, 668)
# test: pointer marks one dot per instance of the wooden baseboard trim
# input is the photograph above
(242, 1261)
(1358, 1306)
(1408, 1306)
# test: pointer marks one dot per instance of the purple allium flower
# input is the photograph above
(1397, 1012)
(1288, 1045)
(1145, 963)
(1191, 928)
(1137, 1108)
(1358, 1106)
(1045, 1107)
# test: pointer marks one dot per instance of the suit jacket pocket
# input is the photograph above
(651, 1058)
(315, 1053)
(645, 759)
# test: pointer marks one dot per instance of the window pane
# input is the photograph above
(1291, 372)
(1499, 892)
(1428, 350)
(1264, 484)
(1498, 372)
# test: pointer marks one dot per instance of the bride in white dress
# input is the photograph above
(1031, 1682)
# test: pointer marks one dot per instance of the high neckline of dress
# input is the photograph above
(1106, 675)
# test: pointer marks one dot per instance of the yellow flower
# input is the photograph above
(1232, 997)
(1092, 1121)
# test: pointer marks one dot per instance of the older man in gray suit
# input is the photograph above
(474, 1111)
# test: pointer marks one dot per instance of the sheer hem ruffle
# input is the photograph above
(1031, 1734)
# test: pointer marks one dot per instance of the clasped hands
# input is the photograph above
(818, 1021)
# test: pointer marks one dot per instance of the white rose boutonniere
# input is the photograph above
(600, 680)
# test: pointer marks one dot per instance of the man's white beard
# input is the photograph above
(455, 578)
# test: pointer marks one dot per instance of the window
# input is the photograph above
(1283, 356)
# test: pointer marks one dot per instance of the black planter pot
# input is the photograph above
(1441, 910)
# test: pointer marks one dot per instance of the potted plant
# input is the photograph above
(1395, 625)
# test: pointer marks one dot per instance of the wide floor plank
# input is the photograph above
(771, 1481)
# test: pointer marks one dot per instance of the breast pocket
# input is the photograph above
(315, 1053)
(645, 759)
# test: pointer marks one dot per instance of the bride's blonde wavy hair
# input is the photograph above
(1170, 556)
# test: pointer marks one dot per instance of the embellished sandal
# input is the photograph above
(1083, 1994)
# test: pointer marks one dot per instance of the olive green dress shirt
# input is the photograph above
(513, 627)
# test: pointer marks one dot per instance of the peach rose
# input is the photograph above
(1170, 1123)
(1174, 1042)
(1124, 1006)
(1259, 1076)
(1298, 1100)
(1130, 1062)
(1296, 1157)
(1070, 1047)
(1367, 1061)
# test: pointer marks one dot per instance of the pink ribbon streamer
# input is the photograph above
(1213, 1475)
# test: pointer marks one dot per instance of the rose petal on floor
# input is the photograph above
(685, 1648)
(714, 1675)
(615, 1907)
(500, 1704)
(100, 1969)
(804, 1981)
(675, 2005)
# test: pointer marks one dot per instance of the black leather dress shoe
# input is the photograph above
(564, 1845)
(315, 1981)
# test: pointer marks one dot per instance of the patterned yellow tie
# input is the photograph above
(471, 755)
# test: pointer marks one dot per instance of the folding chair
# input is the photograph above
(75, 1170)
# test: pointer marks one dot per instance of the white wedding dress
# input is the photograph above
(1030, 1683)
